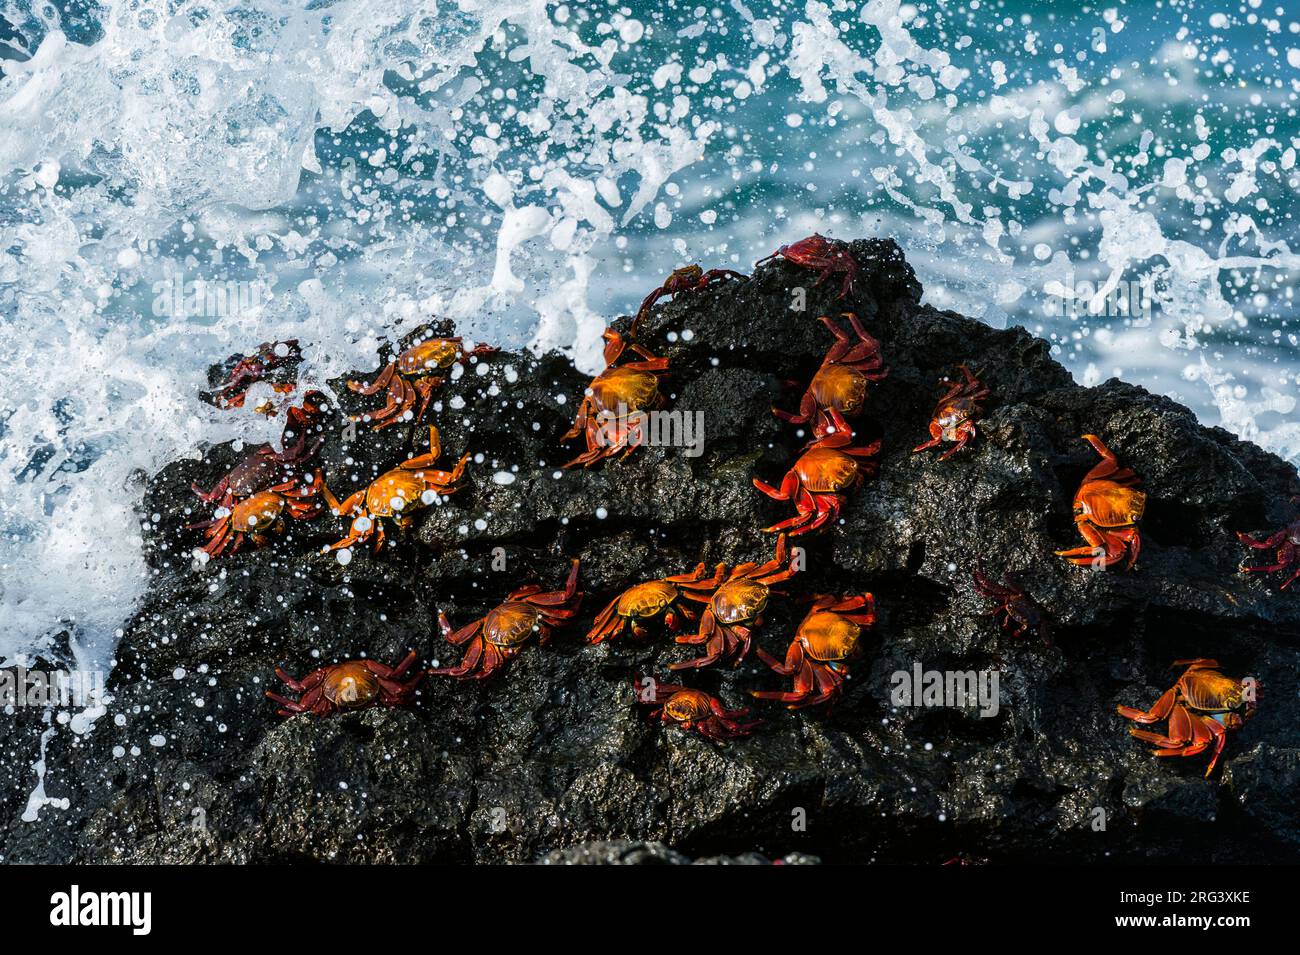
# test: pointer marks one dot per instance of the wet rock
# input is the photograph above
(622, 852)
(553, 759)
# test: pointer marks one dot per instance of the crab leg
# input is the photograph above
(1286, 555)
(1154, 715)
(466, 665)
(379, 384)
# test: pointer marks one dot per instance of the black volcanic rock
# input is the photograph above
(553, 759)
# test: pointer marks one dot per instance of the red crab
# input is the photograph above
(351, 685)
(736, 607)
(396, 494)
(612, 414)
(259, 514)
(692, 711)
(824, 644)
(841, 382)
(264, 465)
(1107, 508)
(251, 369)
(646, 601)
(1018, 611)
(1286, 546)
(690, 278)
(413, 374)
(827, 256)
(1201, 707)
(821, 478)
(500, 635)
(956, 413)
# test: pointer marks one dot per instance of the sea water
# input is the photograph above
(183, 180)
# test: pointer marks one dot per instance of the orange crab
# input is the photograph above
(652, 599)
(692, 711)
(841, 382)
(1286, 546)
(612, 413)
(955, 415)
(823, 646)
(257, 515)
(828, 256)
(821, 478)
(414, 374)
(1107, 508)
(350, 685)
(396, 494)
(690, 278)
(1201, 707)
(736, 607)
(498, 637)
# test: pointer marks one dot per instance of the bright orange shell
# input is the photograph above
(1210, 691)
(635, 390)
(1107, 504)
(257, 513)
(428, 356)
(839, 387)
(646, 600)
(688, 705)
(740, 600)
(951, 416)
(826, 471)
(511, 623)
(397, 485)
(350, 684)
(828, 637)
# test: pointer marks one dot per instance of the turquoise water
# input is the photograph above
(531, 170)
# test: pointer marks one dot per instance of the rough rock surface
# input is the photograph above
(191, 763)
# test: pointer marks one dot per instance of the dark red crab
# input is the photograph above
(828, 256)
(692, 711)
(956, 413)
(499, 636)
(822, 477)
(1285, 545)
(249, 370)
(690, 278)
(1018, 612)
(265, 466)
(351, 685)
(841, 383)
